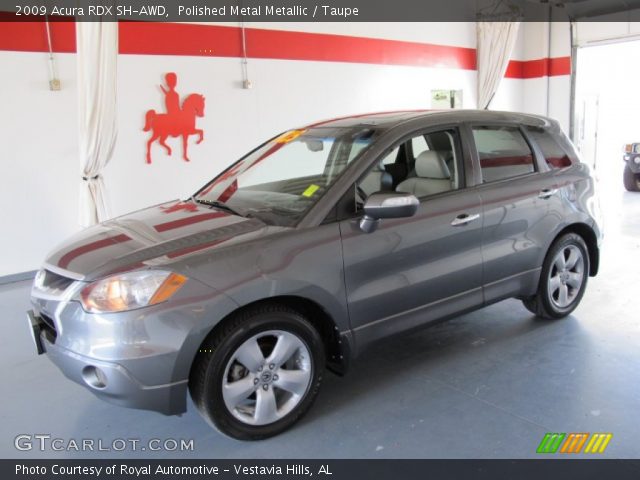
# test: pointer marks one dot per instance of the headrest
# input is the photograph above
(430, 164)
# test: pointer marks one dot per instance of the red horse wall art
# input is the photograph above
(178, 121)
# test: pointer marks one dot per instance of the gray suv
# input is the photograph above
(310, 248)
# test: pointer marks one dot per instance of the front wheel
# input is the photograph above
(631, 180)
(258, 374)
(563, 279)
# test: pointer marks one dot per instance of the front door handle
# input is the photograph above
(547, 193)
(464, 218)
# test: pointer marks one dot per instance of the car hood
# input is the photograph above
(158, 235)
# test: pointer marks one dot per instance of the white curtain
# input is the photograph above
(495, 44)
(97, 55)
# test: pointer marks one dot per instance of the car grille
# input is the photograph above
(53, 281)
(49, 327)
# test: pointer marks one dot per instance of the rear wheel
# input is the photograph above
(563, 278)
(631, 180)
(259, 374)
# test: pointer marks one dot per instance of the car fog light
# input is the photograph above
(94, 377)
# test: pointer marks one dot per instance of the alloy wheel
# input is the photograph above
(566, 276)
(266, 377)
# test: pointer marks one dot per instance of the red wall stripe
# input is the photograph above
(151, 38)
(179, 39)
(340, 48)
(542, 67)
(32, 37)
(221, 41)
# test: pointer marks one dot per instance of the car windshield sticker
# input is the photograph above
(311, 189)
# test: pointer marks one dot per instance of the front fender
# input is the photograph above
(305, 263)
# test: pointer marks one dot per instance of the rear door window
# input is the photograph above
(503, 152)
(554, 154)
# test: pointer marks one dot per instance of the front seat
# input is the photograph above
(377, 180)
(432, 176)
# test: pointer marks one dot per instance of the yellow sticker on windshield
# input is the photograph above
(311, 189)
(289, 136)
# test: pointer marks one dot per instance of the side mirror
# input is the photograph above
(387, 205)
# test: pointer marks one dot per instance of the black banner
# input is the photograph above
(318, 10)
(329, 469)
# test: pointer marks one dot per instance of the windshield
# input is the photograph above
(282, 179)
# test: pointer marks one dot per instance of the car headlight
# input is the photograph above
(131, 290)
(636, 160)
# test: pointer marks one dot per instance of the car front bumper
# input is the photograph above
(633, 164)
(109, 381)
(139, 358)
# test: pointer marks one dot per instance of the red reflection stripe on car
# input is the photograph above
(559, 162)
(506, 161)
(389, 112)
(226, 175)
(183, 222)
(69, 257)
(272, 149)
(229, 191)
(195, 248)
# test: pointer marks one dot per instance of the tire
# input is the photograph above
(266, 396)
(631, 180)
(560, 291)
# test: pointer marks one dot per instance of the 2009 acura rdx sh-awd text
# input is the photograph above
(313, 246)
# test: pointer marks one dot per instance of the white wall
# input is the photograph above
(41, 171)
(549, 96)
(459, 34)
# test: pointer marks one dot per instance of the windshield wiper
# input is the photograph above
(217, 204)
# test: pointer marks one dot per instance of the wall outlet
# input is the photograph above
(247, 85)
(55, 85)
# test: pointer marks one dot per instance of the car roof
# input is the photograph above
(388, 120)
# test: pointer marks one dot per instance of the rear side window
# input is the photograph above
(553, 152)
(504, 153)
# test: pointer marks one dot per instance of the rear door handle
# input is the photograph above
(547, 193)
(464, 218)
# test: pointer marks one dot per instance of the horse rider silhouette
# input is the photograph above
(177, 121)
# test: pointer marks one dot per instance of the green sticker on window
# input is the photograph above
(311, 189)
